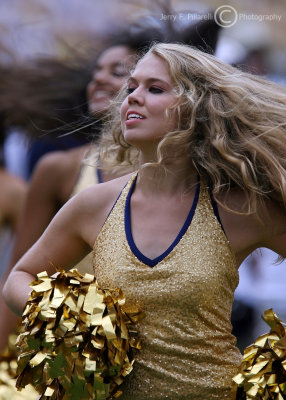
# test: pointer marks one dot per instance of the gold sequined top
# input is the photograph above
(187, 294)
(89, 175)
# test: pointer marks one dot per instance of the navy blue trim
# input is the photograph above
(99, 175)
(128, 232)
(215, 208)
(114, 203)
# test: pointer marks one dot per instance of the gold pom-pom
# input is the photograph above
(79, 339)
(8, 367)
(262, 373)
(8, 357)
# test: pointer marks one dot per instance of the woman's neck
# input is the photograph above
(171, 180)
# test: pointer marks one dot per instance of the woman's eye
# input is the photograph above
(130, 90)
(120, 73)
(155, 90)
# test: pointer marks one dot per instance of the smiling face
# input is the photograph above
(146, 113)
(109, 75)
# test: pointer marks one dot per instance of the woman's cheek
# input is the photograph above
(123, 109)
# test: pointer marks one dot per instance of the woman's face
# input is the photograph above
(146, 113)
(109, 75)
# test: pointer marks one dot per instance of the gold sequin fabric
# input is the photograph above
(88, 176)
(188, 351)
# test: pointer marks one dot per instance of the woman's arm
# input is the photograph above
(274, 233)
(49, 188)
(68, 238)
(12, 198)
(247, 232)
(61, 245)
(277, 241)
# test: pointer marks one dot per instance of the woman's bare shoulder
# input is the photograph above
(13, 190)
(57, 172)
(107, 192)
(248, 231)
(11, 183)
(87, 210)
(62, 161)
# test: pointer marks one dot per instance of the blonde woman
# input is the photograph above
(210, 188)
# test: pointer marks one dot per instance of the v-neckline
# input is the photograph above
(128, 232)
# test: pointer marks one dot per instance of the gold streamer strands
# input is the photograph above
(78, 340)
(262, 373)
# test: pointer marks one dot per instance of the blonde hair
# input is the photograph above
(232, 126)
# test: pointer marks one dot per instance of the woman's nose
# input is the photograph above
(100, 76)
(136, 96)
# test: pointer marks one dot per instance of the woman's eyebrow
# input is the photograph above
(131, 79)
(112, 65)
(118, 64)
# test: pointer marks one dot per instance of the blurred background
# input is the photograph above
(35, 27)
(252, 37)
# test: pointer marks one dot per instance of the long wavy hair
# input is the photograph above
(232, 126)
